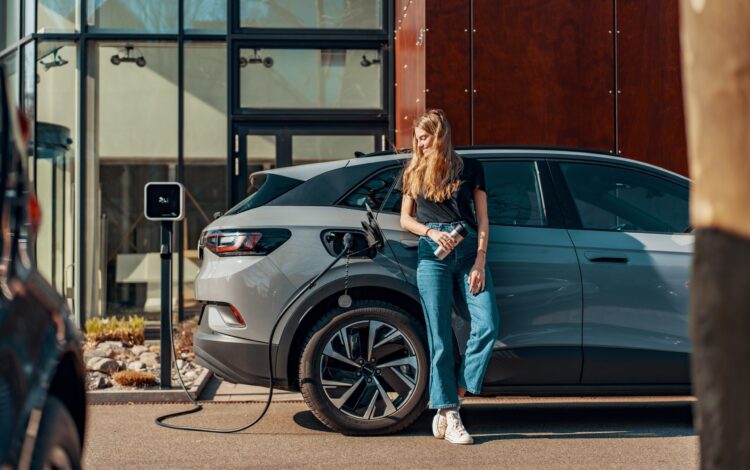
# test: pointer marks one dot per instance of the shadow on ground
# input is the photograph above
(556, 421)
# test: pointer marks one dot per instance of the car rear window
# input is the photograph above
(264, 188)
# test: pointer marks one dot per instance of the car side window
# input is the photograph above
(374, 190)
(514, 195)
(621, 199)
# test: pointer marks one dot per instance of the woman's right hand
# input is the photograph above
(442, 238)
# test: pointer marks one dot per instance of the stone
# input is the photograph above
(154, 348)
(138, 350)
(102, 364)
(135, 365)
(114, 345)
(105, 351)
(97, 381)
(180, 363)
(121, 365)
(150, 359)
(88, 354)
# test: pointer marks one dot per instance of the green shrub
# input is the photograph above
(130, 331)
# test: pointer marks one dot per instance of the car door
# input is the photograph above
(630, 230)
(536, 278)
(535, 273)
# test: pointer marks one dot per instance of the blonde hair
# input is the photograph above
(433, 174)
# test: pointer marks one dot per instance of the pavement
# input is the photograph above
(513, 432)
(220, 391)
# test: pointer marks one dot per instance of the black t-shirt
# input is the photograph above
(458, 207)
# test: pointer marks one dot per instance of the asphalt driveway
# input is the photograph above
(518, 433)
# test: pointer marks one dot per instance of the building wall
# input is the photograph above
(602, 74)
(409, 86)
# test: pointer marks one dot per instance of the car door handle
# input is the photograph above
(598, 257)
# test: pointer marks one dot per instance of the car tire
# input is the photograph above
(384, 395)
(57, 444)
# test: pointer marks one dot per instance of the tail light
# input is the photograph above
(244, 242)
(237, 317)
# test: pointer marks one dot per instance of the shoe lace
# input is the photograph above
(455, 424)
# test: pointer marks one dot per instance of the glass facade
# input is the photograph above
(310, 78)
(55, 169)
(320, 14)
(9, 20)
(132, 124)
(205, 154)
(132, 16)
(124, 92)
(57, 16)
(205, 16)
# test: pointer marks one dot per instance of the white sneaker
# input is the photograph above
(455, 431)
(439, 423)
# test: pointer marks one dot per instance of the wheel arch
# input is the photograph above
(390, 290)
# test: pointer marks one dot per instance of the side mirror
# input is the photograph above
(217, 214)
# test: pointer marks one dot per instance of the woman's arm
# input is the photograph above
(476, 276)
(409, 223)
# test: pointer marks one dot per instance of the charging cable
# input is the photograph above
(348, 241)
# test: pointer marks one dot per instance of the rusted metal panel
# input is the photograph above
(651, 122)
(543, 73)
(448, 64)
(410, 67)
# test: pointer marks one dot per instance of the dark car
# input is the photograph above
(42, 387)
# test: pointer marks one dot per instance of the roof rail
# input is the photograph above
(529, 147)
(490, 147)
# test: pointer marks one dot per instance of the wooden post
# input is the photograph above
(716, 74)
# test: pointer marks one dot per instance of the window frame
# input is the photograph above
(340, 202)
(567, 201)
(339, 114)
(332, 33)
(552, 210)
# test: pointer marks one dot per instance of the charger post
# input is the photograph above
(164, 201)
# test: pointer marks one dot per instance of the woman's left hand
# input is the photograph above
(476, 279)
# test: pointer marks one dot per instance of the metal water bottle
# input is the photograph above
(458, 233)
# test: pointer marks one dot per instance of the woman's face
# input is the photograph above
(424, 139)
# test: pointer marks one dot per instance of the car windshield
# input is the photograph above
(263, 188)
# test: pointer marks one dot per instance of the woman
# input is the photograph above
(439, 189)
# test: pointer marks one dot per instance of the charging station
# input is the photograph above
(164, 202)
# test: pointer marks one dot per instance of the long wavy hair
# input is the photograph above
(433, 174)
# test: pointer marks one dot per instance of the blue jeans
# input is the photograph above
(437, 281)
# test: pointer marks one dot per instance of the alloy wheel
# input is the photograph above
(368, 369)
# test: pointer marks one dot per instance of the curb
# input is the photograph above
(174, 395)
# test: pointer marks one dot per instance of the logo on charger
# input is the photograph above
(164, 200)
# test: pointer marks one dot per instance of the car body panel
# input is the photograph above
(261, 286)
(635, 312)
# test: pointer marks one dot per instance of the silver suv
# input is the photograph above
(590, 255)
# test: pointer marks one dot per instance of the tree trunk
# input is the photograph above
(716, 74)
